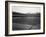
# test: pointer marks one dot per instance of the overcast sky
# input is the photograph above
(25, 9)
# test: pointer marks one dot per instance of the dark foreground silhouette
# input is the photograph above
(25, 21)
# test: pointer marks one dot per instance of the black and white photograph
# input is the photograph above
(24, 18)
